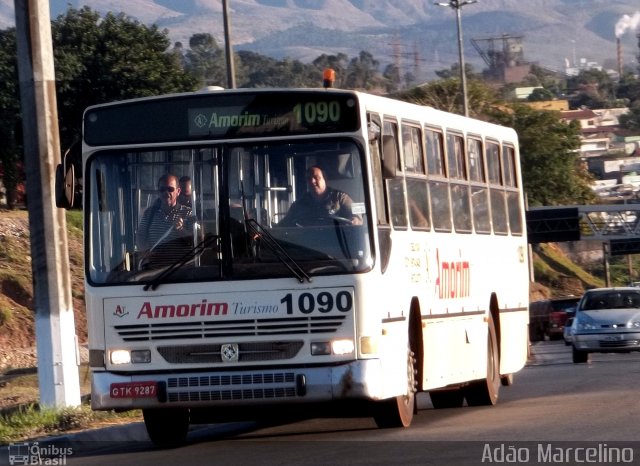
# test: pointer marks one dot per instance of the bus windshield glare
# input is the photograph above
(231, 221)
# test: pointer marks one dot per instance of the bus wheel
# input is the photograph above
(398, 411)
(167, 427)
(485, 392)
(441, 399)
(578, 356)
(506, 380)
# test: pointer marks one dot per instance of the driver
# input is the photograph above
(166, 227)
(320, 201)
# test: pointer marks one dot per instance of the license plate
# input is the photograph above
(614, 338)
(134, 390)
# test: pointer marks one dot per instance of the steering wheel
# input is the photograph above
(322, 221)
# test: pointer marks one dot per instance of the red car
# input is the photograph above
(547, 317)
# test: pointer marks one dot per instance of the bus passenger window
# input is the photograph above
(513, 196)
(378, 181)
(435, 152)
(475, 160)
(440, 207)
(412, 146)
(395, 185)
(460, 203)
(479, 191)
(496, 191)
(418, 203)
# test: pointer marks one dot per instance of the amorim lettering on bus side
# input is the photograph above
(453, 279)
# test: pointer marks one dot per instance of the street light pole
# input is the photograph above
(457, 5)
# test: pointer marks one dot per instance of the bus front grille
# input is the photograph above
(257, 386)
(230, 328)
(247, 352)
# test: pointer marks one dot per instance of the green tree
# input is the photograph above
(631, 120)
(261, 71)
(551, 169)
(106, 59)
(540, 95)
(11, 143)
(629, 88)
(593, 89)
(205, 60)
(445, 94)
(362, 72)
(454, 72)
(392, 75)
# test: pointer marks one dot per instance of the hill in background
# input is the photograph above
(416, 34)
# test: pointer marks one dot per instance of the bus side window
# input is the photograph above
(395, 185)
(496, 191)
(513, 198)
(416, 179)
(438, 184)
(378, 179)
(459, 187)
(479, 190)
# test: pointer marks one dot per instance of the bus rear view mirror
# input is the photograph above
(65, 184)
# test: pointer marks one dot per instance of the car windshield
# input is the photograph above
(611, 300)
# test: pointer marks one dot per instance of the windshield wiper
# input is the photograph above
(258, 231)
(255, 231)
(193, 252)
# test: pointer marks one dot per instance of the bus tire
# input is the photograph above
(579, 357)
(167, 427)
(506, 380)
(485, 392)
(398, 411)
(442, 399)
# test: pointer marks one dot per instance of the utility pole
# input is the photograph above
(231, 71)
(457, 5)
(55, 327)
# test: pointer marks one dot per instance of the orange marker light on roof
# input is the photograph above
(328, 77)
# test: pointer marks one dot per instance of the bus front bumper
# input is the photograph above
(359, 379)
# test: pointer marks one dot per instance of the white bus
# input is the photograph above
(428, 292)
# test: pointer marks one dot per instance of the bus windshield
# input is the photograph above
(219, 212)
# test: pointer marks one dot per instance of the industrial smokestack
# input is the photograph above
(626, 22)
(619, 56)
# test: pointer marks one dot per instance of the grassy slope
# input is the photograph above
(16, 288)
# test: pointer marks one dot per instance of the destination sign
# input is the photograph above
(221, 115)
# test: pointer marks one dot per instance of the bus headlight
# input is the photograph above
(339, 347)
(342, 346)
(130, 357)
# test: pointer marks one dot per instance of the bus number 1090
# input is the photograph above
(312, 113)
(324, 302)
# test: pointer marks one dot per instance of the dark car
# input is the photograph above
(547, 317)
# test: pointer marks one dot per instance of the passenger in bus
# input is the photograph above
(186, 192)
(320, 202)
(165, 231)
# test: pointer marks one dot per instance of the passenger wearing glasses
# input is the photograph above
(166, 227)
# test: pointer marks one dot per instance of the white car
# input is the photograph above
(607, 320)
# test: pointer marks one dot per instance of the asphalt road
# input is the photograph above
(555, 408)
